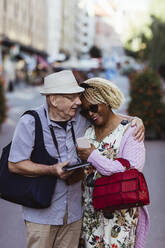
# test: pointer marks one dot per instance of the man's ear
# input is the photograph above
(52, 100)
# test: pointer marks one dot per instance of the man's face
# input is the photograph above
(64, 106)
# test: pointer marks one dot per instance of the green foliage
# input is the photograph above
(151, 48)
(2, 102)
(157, 44)
(157, 8)
(146, 101)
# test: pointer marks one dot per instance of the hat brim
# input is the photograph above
(49, 91)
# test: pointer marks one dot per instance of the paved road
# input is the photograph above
(12, 230)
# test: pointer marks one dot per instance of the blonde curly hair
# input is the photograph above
(100, 90)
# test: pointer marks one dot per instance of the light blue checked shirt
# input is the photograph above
(65, 196)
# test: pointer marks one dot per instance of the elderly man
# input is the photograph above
(59, 225)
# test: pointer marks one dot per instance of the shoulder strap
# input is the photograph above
(56, 143)
(39, 140)
(55, 140)
(74, 140)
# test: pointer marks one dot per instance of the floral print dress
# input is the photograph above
(119, 230)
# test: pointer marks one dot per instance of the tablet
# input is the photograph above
(75, 166)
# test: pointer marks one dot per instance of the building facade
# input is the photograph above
(24, 22)
(70, 29)
(78, 28)
(84, 31)
(107, 39)
(67, 43)
(54, 27)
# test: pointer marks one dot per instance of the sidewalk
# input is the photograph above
(6, 133)
(154, 172)
(12, 229)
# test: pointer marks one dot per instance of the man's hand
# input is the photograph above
(139, 132)
(84, 153)
(58, 170)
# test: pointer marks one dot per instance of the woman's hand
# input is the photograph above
(140, 130)
(84, 153)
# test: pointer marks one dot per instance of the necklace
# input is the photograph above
(101, 134)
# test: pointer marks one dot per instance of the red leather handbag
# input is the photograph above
(121, 190)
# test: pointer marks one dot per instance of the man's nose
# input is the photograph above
(77, 100)
(90, 113)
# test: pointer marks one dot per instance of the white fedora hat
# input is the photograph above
(62, 82)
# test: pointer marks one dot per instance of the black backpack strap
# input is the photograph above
(55, 140)
(39, 139)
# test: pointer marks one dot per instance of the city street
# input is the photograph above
(12, 230)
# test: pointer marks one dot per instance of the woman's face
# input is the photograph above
(98, 114)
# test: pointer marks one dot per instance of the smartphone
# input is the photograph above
(75, 166)
(83, 142)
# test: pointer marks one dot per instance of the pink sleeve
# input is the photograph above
(132, 150)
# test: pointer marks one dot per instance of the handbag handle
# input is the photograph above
(125, 163)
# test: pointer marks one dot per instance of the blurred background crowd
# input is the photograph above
(104, 38)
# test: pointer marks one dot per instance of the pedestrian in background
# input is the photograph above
(111, 138)
(59, 225)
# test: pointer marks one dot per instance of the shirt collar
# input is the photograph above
(53, 123)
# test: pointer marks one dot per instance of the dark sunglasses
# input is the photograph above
(93, 108)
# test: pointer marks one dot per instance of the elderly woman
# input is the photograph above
(110, 136)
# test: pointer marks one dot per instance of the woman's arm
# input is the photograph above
(133, 151)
